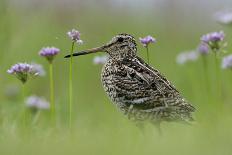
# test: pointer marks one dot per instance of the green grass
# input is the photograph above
(98, 128)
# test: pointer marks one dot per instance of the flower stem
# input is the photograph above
(24, 109)
(148, 61)
(206, 76)
(36, 117)
(71, 85)
(218, 80)
(52, 110)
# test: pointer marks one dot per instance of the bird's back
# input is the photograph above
(142, 93)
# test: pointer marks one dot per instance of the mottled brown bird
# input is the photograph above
(136, 88)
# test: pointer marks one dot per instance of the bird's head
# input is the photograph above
(121, 46)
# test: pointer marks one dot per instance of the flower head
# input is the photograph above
(227, 62)
(203, 49)
(100, 59)
(147, 40)
(213, 39)
(49, 53)
(38, 69)
(37, 103)
(224, 17)
(184, 57)
(75, 36)
(22, 71)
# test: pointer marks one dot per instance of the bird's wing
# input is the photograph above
(147, 88)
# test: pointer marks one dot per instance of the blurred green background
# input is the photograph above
(99, 128)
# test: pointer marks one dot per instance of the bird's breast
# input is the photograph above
(120, 87)
(108, 82)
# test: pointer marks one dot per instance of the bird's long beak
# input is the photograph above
(88, 51)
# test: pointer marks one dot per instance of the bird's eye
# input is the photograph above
(120, 39)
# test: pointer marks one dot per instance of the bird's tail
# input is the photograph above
(185, 112)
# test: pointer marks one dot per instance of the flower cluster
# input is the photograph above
(203, 49)
(213, 40)
(49, 53)
(37, 103)
(147, 40)
(75, 36)
(224, 17)
(100, 59)
(184, 57)
(39, 69)
(227, 62)
(23, 71)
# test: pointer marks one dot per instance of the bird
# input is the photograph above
(138, 90)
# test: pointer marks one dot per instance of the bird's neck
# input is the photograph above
(122, 54)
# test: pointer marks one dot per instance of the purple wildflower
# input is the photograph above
(224, 17)
(203, 49)
(49, 53)
(100, 59)
(184, 57)
(213, 39)
(38, 69)
(20, 68)
(37, 103)
(147, 40)
(227, 62)
(22, 71)
(75, 36)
